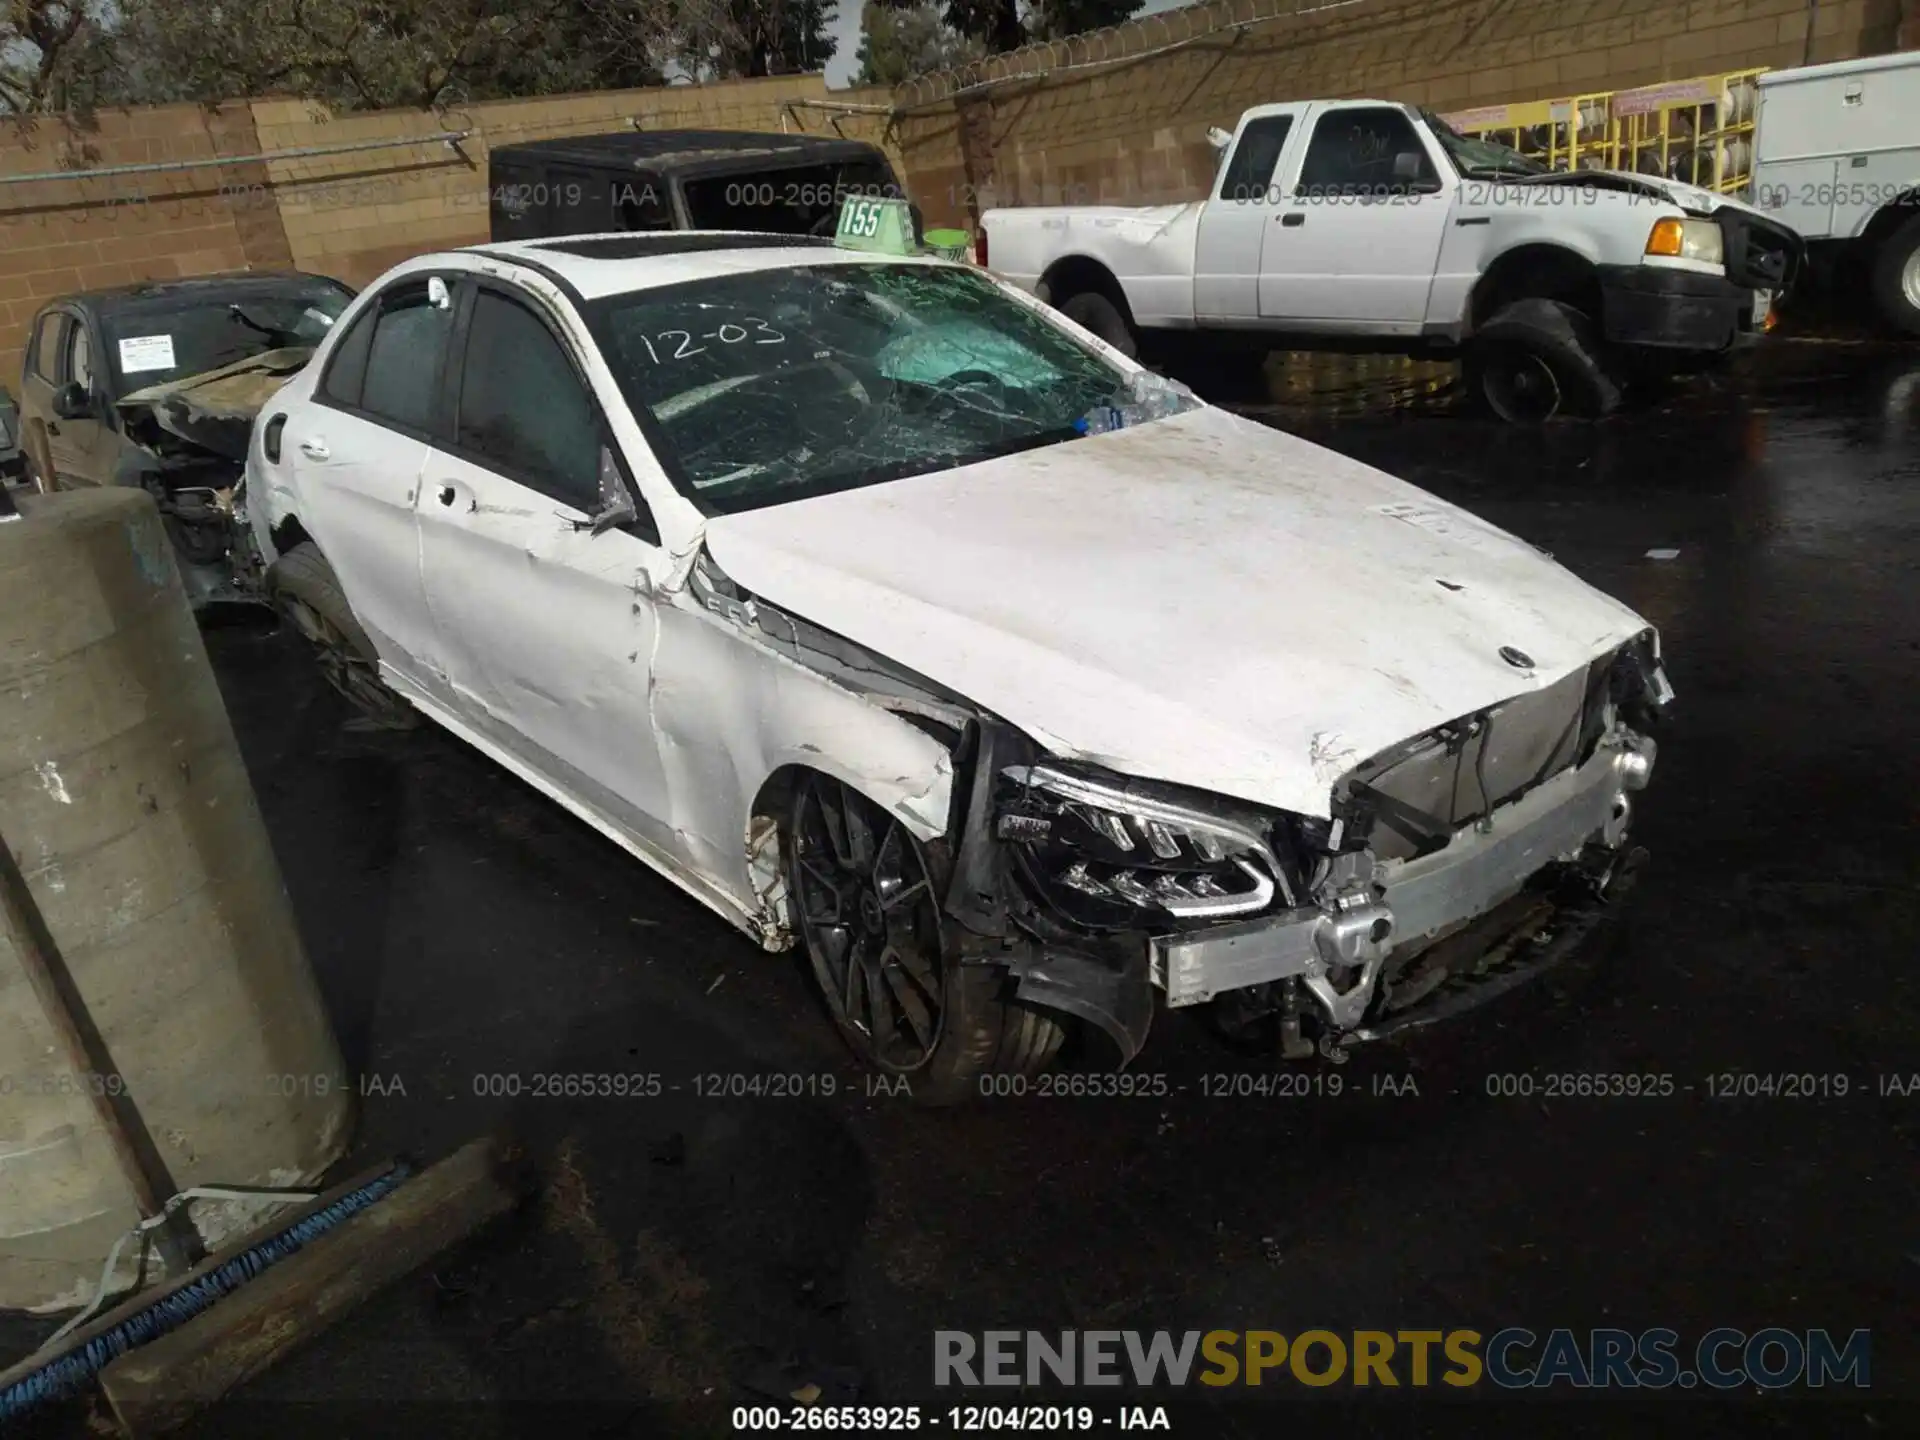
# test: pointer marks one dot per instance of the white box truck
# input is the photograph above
(1837, 157)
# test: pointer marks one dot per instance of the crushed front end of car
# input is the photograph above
(1450, 868)
(189, 449)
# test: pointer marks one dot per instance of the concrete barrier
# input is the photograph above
(130, 817)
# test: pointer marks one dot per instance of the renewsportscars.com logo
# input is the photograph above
(1512, 1358)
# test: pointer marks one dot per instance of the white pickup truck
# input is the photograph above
(1371, 223)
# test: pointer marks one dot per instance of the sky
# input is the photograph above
(846, 30)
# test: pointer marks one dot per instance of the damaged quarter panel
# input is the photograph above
(1149, 250)
(732, 705)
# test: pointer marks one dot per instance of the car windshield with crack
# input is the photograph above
(774, 386)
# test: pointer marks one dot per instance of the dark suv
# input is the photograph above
(156, 385)
(680, 180)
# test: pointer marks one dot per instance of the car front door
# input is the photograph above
(1233, 223)
(549, 625)
(1359, 232)
(357, 448)
(39, 378)
(85, 447)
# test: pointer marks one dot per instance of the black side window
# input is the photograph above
(403, 360)
(523, 408)
(346, 373)
(1356, 152)
(1250, 171)
(518, 202)
(48, 341)
(640, 203)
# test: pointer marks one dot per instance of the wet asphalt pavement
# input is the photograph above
(689, 1253)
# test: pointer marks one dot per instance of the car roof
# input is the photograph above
(615, 264)
(195, 287)
(665, 149)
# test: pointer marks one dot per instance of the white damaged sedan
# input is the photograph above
(893, 615)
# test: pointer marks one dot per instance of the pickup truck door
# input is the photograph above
(549, 627)
(1233, 223)
(1354, 242)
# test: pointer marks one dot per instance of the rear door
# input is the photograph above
(1233, 224)
(357, 448)
(1359, 234)
(549, 627)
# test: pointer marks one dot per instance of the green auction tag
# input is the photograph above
(869, 222)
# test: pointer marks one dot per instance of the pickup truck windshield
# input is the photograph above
(780, 384)
(1481, 157)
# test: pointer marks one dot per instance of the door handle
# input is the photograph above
(315, 449)
(446, 494)
(1293, 218)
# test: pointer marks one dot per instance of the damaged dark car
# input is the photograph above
(156, 386)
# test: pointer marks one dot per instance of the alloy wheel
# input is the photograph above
(866, 912)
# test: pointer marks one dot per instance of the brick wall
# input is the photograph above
(1134, 131)
(353, 214)
(59, 236)
(349, 215)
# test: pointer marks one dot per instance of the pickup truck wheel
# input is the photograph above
(1093, 311)
(1539, 359)
(302, 586)
(868, 913)
(1896, 278)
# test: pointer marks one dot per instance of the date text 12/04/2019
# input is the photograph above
(958, 1419)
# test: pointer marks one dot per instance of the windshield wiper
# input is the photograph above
(272, 332)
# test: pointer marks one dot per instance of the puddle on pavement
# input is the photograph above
(1326, 386)
(1822, 370)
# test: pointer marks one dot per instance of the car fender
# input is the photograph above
(739, 700)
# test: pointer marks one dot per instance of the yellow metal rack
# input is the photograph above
(1698, 130)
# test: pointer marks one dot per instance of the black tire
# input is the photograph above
(866, 908)
(1896, 279)
(1539, 360)
(1093, 311)
(304, 589)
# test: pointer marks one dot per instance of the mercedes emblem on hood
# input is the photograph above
(1519, 659)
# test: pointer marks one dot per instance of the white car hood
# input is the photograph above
(1694, 198)
(1200, 600)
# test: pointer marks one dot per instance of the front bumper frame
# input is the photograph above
(1421, 900)
(1661, 309)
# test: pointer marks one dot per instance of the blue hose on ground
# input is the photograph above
(67, 1373)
